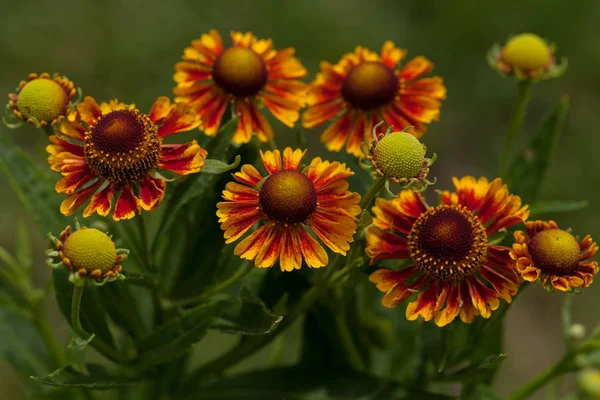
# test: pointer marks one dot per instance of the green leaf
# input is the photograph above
(295, 383)
(219, 167)
(217, 147)
(21, 344)
(93, 308)
(33, 185)
(23, 249)
(529, 168)
(246, 316)
(557, 206)
(97, 377)
(78, 343)
(474, 371)
(179, 335)
(482, 392)
(122, 306)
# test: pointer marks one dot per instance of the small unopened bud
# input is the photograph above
(589, 382)
(577, 331)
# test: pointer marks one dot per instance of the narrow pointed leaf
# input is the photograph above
(97, 377)
(529, 168)
(33, 185)
(218, 167)
(557, 206)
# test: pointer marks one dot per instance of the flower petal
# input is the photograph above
(415, 68)
(271, 160)
(314, 254)
(290, 256)
(292, 159)
(127, 204)
(269, 252)
(101, 202)
(70, 204)
(183, 159)
(181, 118)
(250, 246)
(152, 191)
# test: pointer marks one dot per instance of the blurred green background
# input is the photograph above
(127, 49)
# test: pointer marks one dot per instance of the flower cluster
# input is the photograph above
(113, 158)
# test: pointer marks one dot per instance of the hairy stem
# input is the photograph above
(516, 121)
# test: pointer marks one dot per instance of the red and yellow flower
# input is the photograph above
(248, 74)
(288, 201)
(364, 88)
(42, 99)
(455, 269)
(554, 256)
(112, 151)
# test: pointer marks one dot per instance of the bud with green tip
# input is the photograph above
(399, 157)
(87, 252)
(527, 57)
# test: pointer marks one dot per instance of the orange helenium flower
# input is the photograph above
(455, 270)
(246, 74)
(554, 256)
(288, 201)
(364, 88)
(116, 148)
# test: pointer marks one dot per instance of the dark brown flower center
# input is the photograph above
(240, 72)
(448, 243)
(122, 146)
(370, 85)
(555, 251)
(288, 197)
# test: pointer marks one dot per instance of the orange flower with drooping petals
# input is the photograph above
(112, 150)
(554, 256)
(364, 88)
(288, 201)
(247, 74)
(455, 270)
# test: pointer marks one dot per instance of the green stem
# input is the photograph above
(147, 257)
(347, 342)
(236, 277)
(271, 144)
(75, 311)
(516, 121)
(43, 326)
(372, 193)
(104, 349)
(561, 367)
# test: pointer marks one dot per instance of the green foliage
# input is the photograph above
(97, 377)
(183, 282)
(529, 169)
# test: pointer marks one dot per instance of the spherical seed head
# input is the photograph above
(527, 52)
(448, 243)
(370, 85)
(42, 99)
(90, 249)
(122, 146)
(240, 72)
(399, 155)
(288, 197)
(555, 251)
